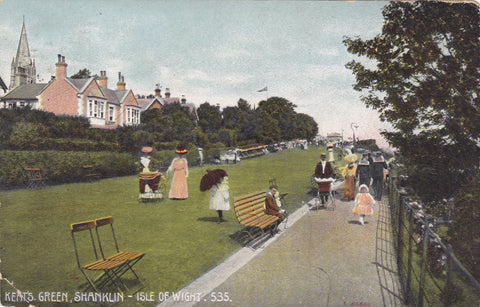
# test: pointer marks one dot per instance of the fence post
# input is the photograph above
(409, 258)
(447, 290)
(423, 260)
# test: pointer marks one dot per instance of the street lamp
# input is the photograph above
(353, 126)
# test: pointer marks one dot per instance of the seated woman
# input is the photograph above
(272, 206)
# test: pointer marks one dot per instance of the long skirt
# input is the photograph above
(178, 189)
(349, 188)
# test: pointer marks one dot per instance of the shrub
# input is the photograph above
(62, 167)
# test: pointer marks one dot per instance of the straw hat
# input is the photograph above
(180, 150)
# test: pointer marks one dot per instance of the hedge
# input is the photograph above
(63, 167)
(67, 166)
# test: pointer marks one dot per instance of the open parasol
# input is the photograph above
(212, 178)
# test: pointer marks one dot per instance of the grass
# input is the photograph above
(181, 239)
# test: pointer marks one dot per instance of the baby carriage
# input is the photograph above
(324, 197)
(151, 186)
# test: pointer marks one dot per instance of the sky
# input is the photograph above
(209, 51)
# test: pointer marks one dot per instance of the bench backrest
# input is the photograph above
(249, 206)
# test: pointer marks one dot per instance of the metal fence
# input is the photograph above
(429, 272)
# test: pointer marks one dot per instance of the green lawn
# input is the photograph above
(181, 239)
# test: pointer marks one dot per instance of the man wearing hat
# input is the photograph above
(324, 170)
(378, 167)
(363, 171)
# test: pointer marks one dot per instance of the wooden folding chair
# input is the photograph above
(111, 252)
(108, 268)
(34, 177)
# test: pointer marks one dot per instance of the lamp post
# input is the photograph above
(353, 126)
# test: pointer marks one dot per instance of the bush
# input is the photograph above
(63, 167)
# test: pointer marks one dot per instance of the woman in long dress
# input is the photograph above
(349, 174)
(179, 167)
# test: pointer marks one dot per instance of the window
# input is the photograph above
(96, 108)
(111, 114)
(133, 116)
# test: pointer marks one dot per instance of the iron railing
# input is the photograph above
(430, 273)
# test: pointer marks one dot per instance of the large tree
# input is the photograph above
(423, 77)
(283, 111)
(209, 117)
(172, 122)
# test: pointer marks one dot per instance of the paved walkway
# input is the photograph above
(323, 258)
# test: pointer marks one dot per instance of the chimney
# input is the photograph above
(167, 93)
(184, 100)
(121, 82)
(157, 91)
(61, 70)
(102, 80)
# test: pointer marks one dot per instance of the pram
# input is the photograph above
(151, 186)
(325, 197)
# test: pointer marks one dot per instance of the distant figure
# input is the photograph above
(324, 172)
(272, 204)
(363, 204)
(363, 171)
(378, 171)
(179, 167)
(145, 159)
(200, 155)
(349, 174)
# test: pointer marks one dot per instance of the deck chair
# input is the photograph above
(108, 269)
(111, 252)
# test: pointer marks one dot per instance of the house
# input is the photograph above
(157, 101)
(25, 95)
(3, 86)
(334, 137)
(90, 98)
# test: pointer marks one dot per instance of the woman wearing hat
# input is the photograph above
(349, 173)
(179, 167)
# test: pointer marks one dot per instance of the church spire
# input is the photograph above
(23, 67)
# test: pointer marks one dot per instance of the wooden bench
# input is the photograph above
(250, 212)
(34, 177)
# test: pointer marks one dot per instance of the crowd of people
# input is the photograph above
(370, 171)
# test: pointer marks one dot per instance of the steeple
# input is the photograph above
(23, 63)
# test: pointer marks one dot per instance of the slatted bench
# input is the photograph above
(250, 212)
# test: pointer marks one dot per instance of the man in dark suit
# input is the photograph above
(378, 167)
(324, 171)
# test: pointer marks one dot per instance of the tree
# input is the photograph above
(423, 78)
(237, 118)
(306, 127)
(81, 74)
(283, 111)
(209, 117)
(172, 122)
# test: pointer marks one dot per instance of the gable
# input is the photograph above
(130, 100)
(155, 105)
(94, 90)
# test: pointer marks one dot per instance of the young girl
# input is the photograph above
(363, 203)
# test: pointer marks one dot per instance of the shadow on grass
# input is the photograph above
(213, 219)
